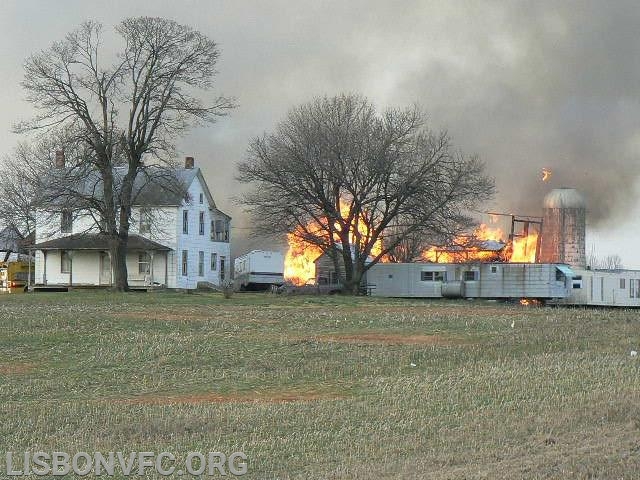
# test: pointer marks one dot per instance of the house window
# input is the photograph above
(622, 284)
(66, 222)
(201, 264)
(201, 198)
(220, 231)
(201, 220)
(144, 263)
(65, 262)
(185, 221)
(432, 276)
(469, 275)
(222, 267)
(145, 220)
(214, 261)
(184, 263)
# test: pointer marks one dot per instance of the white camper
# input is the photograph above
(258, 270)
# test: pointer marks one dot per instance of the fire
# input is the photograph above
(530, 301)
(546, 174)
(298, 262)
(486, 244)
(523, 249)
(299, 266)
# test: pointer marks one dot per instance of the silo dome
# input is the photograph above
(564, 198)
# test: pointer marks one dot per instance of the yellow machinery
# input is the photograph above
(14, 274)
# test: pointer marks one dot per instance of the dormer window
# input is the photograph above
(66, 222)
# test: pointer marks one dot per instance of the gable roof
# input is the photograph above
(154, 186)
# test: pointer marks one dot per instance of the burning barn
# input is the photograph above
(544, 259)
(541, 258)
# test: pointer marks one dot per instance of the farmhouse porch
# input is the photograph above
(84, 260)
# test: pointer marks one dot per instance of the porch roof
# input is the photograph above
(97, 241)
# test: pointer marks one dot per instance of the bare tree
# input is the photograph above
(610, 262)
(126, 113)
(341, 176)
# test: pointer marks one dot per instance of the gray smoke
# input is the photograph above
(525, 85)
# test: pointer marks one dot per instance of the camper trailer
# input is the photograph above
(258, 270)
(541, 281)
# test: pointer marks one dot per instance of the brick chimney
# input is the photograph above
(59, 159)
(189, 162)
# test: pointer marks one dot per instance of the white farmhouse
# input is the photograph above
(176, 240)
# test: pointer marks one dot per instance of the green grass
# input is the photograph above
(557, 396)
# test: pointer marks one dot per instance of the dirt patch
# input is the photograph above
(239, 397)
(16, 368)
(388, 339)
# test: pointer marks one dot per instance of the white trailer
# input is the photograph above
(543, 281)
(258, 270)
(604, 288)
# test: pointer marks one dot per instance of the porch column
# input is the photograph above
(70, 253)
(44, 273)
(166, 269)
(151, 252)
(110, 268)
(29, 272)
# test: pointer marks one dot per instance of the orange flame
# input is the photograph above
(546, 174)
(299, 266)
(473, 249)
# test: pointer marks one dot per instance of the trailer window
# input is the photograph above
(637, 288)
(432, 276)
(470, 275)
(622, 284)
(577, 282)
(494, 269)
(632, 284)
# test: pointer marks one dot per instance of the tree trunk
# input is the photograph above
(119, 264)
(352, 285)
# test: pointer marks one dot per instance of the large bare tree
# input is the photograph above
(358, 183)
(125, 112)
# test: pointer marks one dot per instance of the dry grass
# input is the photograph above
(381, 338)
(326, 387)
(243, 397)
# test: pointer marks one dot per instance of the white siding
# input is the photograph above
(166, 229)
(194, 243)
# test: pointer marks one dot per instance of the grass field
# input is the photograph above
(325, 387)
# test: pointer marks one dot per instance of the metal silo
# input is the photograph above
(563, 228)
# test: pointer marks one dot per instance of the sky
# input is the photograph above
(524, 85)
